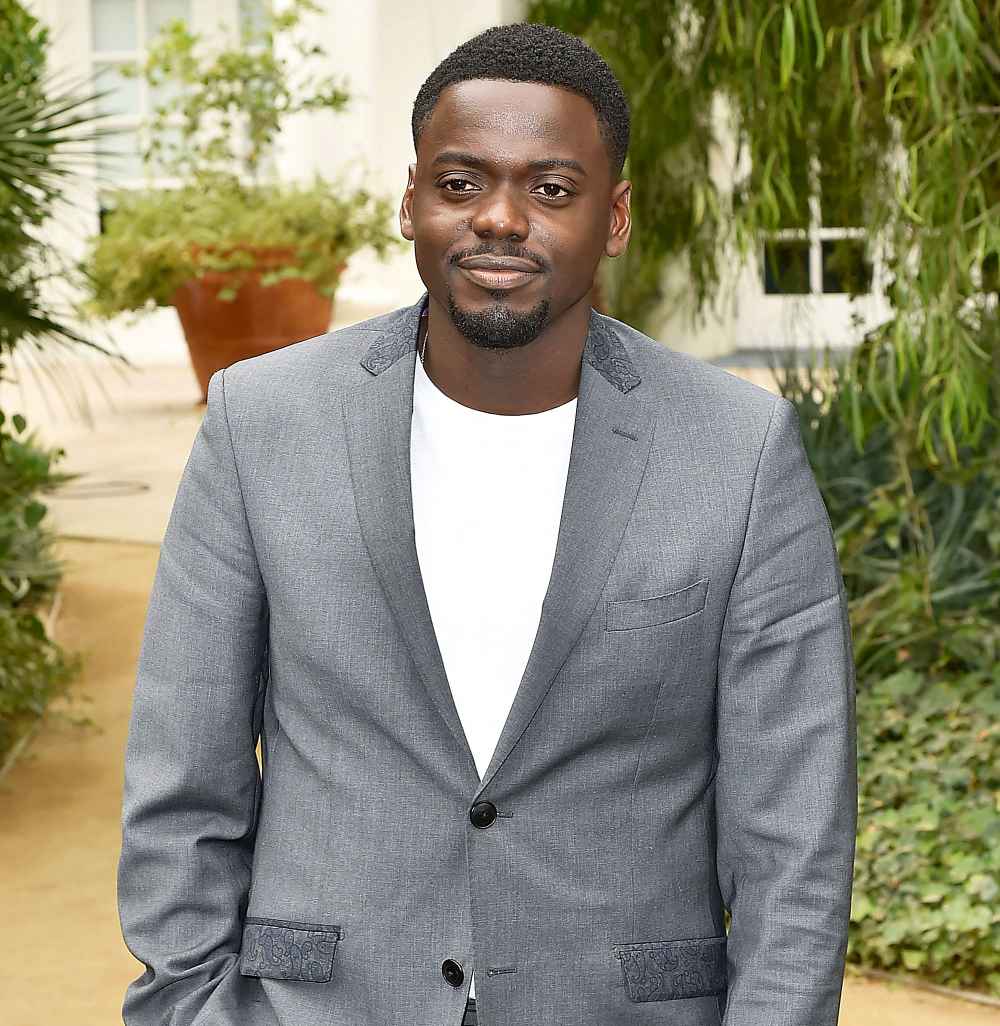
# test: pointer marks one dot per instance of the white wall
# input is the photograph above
(385, 49)
(151, 338)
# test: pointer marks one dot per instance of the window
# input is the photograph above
(823, 250)
(251, 15)
(120, 32)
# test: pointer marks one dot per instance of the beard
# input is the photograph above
(498, 326)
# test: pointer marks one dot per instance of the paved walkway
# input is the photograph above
(64, 961)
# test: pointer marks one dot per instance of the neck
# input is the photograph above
(533, 378)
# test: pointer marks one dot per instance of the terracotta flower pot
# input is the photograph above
(260, 319)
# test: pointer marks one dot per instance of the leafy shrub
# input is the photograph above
(919, 547)
(155, 240)
(36, 121)
(214, 136)
(33, 669)
(919, 541)
(928, 859)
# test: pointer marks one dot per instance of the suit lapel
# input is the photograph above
(612, 437)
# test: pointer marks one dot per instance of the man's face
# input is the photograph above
(477, 190)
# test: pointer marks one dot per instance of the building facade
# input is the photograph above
(385, 49)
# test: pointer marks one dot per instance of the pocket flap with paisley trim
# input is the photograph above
(667, 970)
(281, 950)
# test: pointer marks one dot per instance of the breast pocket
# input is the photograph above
(630, 614)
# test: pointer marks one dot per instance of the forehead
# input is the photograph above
(516, 117)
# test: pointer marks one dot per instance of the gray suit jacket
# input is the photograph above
(682, 740)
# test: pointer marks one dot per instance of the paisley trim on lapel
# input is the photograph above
(603, 350)
(397, 338)
(606, 353)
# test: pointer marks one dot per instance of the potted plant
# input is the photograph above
(250, 263)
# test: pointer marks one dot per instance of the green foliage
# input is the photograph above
(214, 132)
(919, 547)
(223, 109)
(37, 123)
(154, 240)
(33, 669)
(27, 574)
(927, 872)
(900, 104)
(22, 45)
(22, 104)
(33, 130)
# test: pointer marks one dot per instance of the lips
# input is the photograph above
(498, 272)
(489, 263)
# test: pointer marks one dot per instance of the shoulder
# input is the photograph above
(708, 419)
(682, 388)
(294, 374)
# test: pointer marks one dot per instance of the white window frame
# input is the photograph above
(816, 234)
(776, 320)
(209, 20)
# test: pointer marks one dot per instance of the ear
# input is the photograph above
(406, 207)
(620, 227)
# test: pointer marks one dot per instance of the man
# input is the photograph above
(539, 622)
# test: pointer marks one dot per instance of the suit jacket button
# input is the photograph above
(452, 972)
(483, 814)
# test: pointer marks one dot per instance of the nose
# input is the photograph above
(500, 216)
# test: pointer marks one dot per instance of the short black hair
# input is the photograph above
(528, 52)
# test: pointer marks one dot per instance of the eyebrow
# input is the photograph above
(457, 157)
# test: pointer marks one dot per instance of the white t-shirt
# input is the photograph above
(487, 494)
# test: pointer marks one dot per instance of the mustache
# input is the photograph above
(499, 254)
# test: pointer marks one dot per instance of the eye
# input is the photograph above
(455, 181)
(555, 185)
(564, 194)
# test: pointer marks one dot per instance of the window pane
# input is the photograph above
(839, 195)
(162, 94)
(252, 14)
(159, 12)
(799, 176)
(125, 97)
(165, 148)
(786, 268)
(991, 272)
(114, 25)
(797, 185)
(845, 268)
(119, 159)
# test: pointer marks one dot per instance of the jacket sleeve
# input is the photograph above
(786, 785)
(191, 779)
